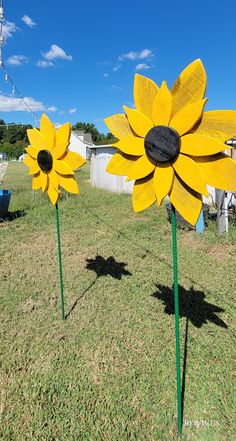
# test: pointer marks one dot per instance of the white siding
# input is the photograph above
(100, 157)
(78, 145)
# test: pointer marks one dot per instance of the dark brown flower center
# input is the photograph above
(45, 160)
(162, 144)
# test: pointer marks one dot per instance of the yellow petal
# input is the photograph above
(162, 106)
(32, 164)
(118, 125)
(190, 86)
(36, 182)
(200, 145)
(53, 179)
(145, 91)
(163, 179)
(44, 181)
(59, 150)
(32, 151)
(47, 131)
(120, 164)
(187, 117)
(69, 184)
(219, 171)
(63, 134)
(131, 145)
(141, 168)
(138, 121)
(74, 160)
(53, 194)
(190, 173)
(143, 194)
(35, 139)
(62, 167)
(186, 201)
(219, 124)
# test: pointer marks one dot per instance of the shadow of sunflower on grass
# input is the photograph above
(107, 267)
(192, 305)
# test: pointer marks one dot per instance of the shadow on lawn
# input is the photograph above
(102, 267)
(12, 215)
(194, 307)
(107, 267)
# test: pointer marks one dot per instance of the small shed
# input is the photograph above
(80, 143)
(99, 177)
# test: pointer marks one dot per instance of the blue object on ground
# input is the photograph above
(200, 223)
(5, 196)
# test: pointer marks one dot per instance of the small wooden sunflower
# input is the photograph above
(49, 160)
(169, 146)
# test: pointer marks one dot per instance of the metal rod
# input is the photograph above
(177, 333)
(60, 263)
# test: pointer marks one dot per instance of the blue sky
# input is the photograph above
(76, 60)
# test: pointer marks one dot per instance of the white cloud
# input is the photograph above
(17, 60)
(106, 75)
(11, 104)
(142, 66)
(132, 55)
(56, 52)
(44, 63)
(8, 29)
(116, 67)
(52, 109)
(28, 21)
(72, 110)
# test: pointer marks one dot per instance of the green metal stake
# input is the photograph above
(177, 336)
(60, 263)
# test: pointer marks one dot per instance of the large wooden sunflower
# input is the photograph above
(49, 160)
(170, 146)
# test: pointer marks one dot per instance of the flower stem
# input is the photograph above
(177, 333)
(60, 263)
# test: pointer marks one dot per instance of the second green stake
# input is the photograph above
(60, 263)
(177, 334)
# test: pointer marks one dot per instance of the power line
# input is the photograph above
(6, 74)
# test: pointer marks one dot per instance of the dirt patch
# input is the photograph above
(222, 251)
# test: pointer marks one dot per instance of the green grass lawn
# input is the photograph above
(108, 372)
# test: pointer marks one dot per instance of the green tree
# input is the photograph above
(13, 139)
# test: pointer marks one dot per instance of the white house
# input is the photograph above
(80, 143)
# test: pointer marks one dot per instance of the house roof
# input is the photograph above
(86, 136)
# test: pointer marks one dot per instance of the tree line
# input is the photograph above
(13, 137)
